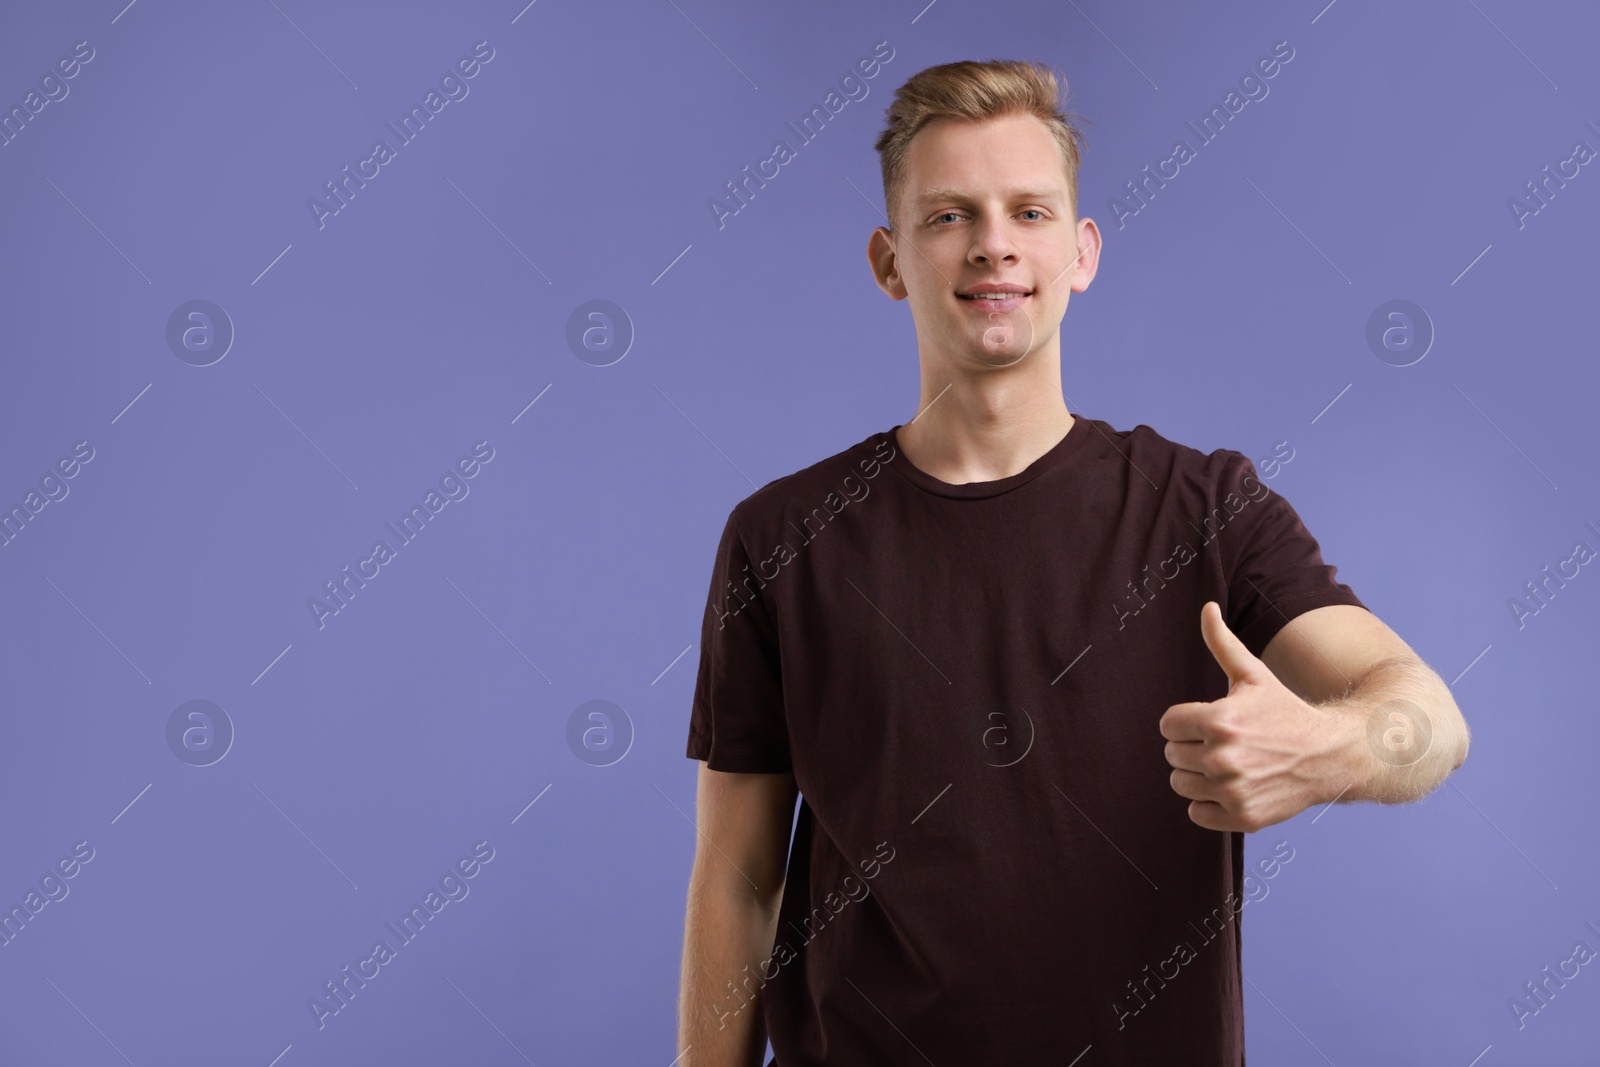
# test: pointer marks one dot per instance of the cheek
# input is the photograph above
(928, 289)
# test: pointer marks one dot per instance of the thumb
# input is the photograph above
(1236, 661)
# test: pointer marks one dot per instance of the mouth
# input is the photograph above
(1001, 300)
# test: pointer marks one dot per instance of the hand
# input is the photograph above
(1257, 756)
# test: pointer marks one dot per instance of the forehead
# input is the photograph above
(1007, 153)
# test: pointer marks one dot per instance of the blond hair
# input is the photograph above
(972, 91)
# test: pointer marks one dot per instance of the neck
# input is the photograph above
(985, 424)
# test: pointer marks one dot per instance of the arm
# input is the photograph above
(743, 823)
(1401, 731)
(1336, 708)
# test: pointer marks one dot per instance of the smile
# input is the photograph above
(996, 301)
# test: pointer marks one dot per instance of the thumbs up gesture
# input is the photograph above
(1255, 757)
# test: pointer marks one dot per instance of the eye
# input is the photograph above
(945, 215)
(1035, 211)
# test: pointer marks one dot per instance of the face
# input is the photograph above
(985, 207)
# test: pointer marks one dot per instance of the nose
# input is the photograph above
(991, 243)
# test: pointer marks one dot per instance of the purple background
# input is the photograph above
(429, 313)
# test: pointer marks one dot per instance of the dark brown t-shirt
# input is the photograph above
(989, 864)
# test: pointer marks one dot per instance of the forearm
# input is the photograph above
(727, 937)
(1402, 735)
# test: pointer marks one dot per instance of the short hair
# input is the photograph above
(973, 91)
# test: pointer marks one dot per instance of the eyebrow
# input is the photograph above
(931, 195)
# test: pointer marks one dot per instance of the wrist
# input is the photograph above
(1347, 771)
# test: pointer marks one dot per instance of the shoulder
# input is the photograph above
(1145, 441)
(1153, 443)
(845, 474)
(1195, 474)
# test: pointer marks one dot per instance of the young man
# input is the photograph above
(1034, 677)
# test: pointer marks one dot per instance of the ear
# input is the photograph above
(1088, 261)
(885, 262)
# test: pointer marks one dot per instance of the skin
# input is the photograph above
(1294, 727)
(991, 400)
(988, 201)
(735, 888)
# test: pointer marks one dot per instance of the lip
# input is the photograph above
(1008, 303)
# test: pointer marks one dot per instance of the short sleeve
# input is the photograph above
(737, 722)
(1273, 566)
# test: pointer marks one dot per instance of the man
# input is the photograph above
(1033, 677)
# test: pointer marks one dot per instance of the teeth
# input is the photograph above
(993, 296)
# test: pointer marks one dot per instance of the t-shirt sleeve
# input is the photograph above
(737, 722)
(1273, 566)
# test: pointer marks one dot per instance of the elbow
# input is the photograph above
(1463, 739)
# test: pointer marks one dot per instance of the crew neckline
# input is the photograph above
(1057, 456)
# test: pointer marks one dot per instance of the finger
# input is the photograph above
(1211, 816)
(1236, 661)
(1192, 785)
(1185, 722)
(1187, 755)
